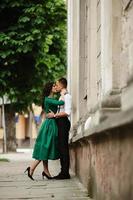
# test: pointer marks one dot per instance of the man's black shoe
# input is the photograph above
(61, 177)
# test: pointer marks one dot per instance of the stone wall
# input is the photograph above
(101, 136)
(102, 159)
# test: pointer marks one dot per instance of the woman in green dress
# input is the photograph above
(46, 145)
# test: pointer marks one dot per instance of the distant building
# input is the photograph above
(26, 127)
(100, 76)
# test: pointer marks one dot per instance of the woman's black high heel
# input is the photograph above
(44, 174)
(28, 170)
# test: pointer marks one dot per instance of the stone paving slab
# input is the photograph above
(15, 185)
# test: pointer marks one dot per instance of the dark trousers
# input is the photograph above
(63, 136)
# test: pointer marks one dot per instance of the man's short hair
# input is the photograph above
(63, 81)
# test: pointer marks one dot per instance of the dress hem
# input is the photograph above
(46, 158)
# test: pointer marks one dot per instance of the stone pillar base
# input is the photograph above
(127, 97)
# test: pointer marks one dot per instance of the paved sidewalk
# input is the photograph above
(14, 184)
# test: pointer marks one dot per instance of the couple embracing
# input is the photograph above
(52, 139)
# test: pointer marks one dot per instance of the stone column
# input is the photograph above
(83, 56)
(73, 57)
(111, 13)
(92, 56)
(69, 42)
(104, 78)
(111, 45)
(127, 56)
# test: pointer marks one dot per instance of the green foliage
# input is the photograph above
(32, 48)
(4, 160)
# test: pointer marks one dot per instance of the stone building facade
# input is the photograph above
(100, 76)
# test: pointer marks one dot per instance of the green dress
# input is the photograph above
(46, 145)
